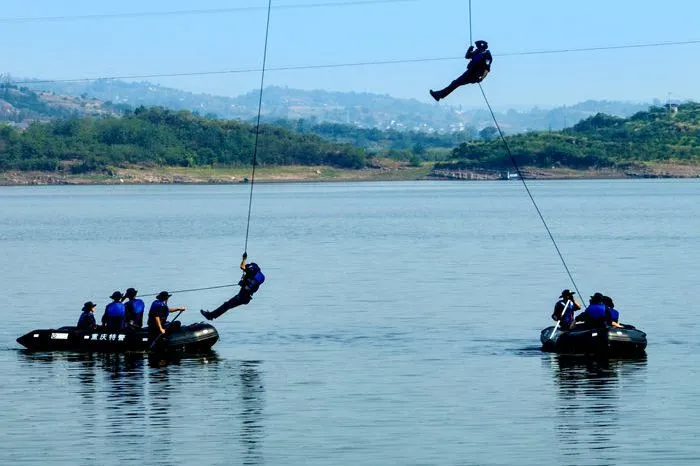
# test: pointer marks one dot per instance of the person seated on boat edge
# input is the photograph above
(133, 309)
(565, 313)
(158, 316)
(479, 66)
(87, 321)
(612, 315)
(249, 283)
(113, 318)
(595, 315)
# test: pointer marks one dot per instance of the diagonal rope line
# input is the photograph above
(257, 127)
(527, 189)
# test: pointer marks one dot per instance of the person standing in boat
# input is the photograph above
(113, 318)
(87, 318)
(596, 314)
(477, 69)
(565, 308)
(158, 315)
(249, 283)
(133, 309)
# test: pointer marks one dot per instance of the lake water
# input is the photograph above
(399, 324)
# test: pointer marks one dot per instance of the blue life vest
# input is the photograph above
(253, 277)
(568, 315)
(596, 311)
(114, 316)
(614, 314)
(134, 312)
(115, 309)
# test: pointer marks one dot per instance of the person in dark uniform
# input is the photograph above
(113, 318)
(565, 308)
(133, 309)
(595, 315)
(613, 315)
(249, 283)
(158, 315)
(87, 318)
(478, 67)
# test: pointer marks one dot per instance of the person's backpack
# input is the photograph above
(254, 276)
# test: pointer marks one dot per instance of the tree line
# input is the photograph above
(663, 133)
(161, 137)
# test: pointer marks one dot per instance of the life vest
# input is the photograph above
(614, 315)
(596, 311)
(115, 309)
(134, 311)
(253, 277)
(567, 315)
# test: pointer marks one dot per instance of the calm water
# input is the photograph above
(399, 324)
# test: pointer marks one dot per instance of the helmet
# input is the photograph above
(481, 44)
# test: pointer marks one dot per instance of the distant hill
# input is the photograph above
(364, 110)
(21, 105)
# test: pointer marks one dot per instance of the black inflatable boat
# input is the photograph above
(194, 338)
(605, 341)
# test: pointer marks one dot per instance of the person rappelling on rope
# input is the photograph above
(477, 69)
(250, 282)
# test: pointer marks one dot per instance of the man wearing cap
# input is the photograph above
(565, 308)
(249, 283)
(158, 314)
(87, 318)
(133, 309)
(477, 69)
(596, 314)
(113, 318)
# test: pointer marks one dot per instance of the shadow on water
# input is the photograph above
(140, 405)
(589, 395)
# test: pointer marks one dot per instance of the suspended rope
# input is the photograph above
(257, 129)
(520, 174)
(194, 289)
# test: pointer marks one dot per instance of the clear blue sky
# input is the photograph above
(338, 33)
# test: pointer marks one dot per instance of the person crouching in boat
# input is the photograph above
(613, 315)
(565, 308)
(249, 283)
(595, 315)
(87, 318)
(158, 315)
(113, 318)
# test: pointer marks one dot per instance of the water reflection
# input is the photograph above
(151, 410)
(587, 413)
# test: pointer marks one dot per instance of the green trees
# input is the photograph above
(599, 141)
(158, 136)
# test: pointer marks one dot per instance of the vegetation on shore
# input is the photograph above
(658, 135)
(156, 140)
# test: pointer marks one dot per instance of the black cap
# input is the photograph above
(89, 305)
(481, 44)
(597, 297)
(131, 292)
(117, 295)
(567, 293)
(163, 295)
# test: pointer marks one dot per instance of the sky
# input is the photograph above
(397, 47)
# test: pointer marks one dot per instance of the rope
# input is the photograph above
(257, 129)
(471, 41)
(194, 289)
(350, 65)
(520, 174)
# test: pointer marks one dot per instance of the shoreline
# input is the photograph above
(304, 174)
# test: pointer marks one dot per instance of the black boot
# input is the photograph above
(207, 315)
(434, 95)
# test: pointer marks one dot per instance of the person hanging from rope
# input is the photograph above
(250, 282)
(477, 69)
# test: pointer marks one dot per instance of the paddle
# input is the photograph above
(556, 326)
(156, 339)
